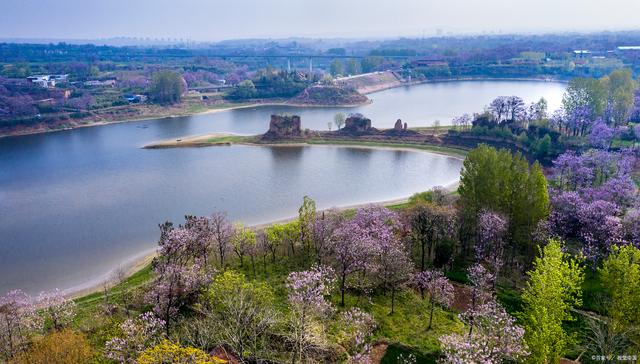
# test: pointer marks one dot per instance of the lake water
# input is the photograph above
(76, 204)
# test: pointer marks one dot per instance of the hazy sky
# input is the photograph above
(205, 20)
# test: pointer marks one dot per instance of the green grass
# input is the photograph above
(90, 305)
(426, 147)
(135, 280)
(395, 350)
(231, 139)
(408, 324)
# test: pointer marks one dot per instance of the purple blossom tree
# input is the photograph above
(601, 135)
(438, 287)
(308, 289)
(83, 102)
(631, 226)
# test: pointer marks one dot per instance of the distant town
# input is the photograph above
(57, 86)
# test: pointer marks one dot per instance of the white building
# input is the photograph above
(47, 81)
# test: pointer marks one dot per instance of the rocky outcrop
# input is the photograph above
(398, 125)
(284, 126)
(356, 123)
(399, 129)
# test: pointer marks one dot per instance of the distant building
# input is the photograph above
(47, 81)
(135, 99)
(581, 53)
(99, 83)
(429, 62)
(629, 48)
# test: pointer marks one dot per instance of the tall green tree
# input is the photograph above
(506, 183)
(553, 289)
(430, 225)
(166, 88)
(589, 92)
(353, 67)
(369, 64)
(620, 88)
(306, 222)
(336, 68)
(620, 275)
(246, 89)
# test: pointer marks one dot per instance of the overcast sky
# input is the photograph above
(210, 20)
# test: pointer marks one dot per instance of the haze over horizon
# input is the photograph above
(202, 20)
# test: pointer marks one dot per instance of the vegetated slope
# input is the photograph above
(371, 82)
(329, 95)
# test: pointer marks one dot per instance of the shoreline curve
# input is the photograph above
(139, 261)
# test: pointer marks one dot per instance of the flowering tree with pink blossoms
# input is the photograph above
(392, 266)
(356, 240)
(430, 224)
(492, 229)
(221, 232)
(307, 292)
(174, 287)
(325, 225)
(356, 326)
(57, 311)
(438, 287)
(481, 284)
(19, 321)
(180, 271)
(497, 339)
(137, 335)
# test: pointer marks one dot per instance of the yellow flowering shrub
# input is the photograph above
(170, 353)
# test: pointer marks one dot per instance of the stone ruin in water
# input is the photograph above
(399, 126)
(283, 126)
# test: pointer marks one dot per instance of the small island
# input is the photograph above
(356, 130)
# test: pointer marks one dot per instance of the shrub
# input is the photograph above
(59, 347)
(168, 352)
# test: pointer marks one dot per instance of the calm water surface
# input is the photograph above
(76, 204)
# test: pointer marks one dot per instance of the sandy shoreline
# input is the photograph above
(159, 117)
(138, 262)
(141, 260)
